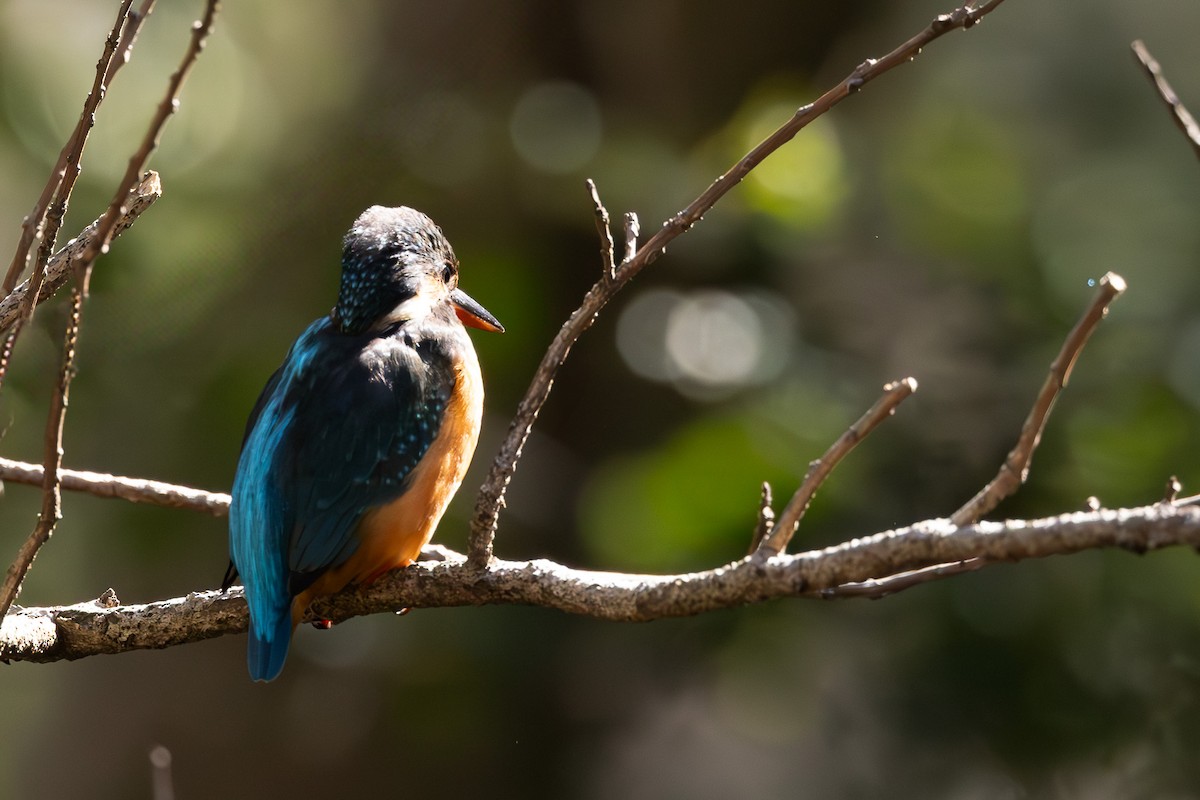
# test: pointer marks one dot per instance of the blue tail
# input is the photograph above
(267, 650)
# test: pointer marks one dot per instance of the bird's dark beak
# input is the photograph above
(472, 314)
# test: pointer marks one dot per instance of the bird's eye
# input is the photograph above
(448, 274)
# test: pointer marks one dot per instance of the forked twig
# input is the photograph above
(44, 220)
(1015, 468)
(51, 488)
(137, 162)
(491, 495)
(59, 267)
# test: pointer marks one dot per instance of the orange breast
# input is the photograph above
(392, 535)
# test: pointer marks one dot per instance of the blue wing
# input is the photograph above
(336, 431)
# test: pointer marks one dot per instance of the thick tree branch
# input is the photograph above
(491, 495)
(78, 631)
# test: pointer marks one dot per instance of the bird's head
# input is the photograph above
(397, 266)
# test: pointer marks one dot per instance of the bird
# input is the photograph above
(362, 436)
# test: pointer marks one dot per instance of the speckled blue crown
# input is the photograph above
(378, 255)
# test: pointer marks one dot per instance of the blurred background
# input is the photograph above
(944, 224)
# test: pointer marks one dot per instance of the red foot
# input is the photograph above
(322, 624)
(403, 612)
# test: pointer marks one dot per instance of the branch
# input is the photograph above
(135, 490)
(51, 503)
(1015, 468)
(603, 231)
(58, 269)
(1179, 112)
(776, 541)
(766, 518)
(66, 170)
(504, 465)
(78, 631)
(106, 227)
(51, 511)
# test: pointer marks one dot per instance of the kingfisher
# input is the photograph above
(362, 436)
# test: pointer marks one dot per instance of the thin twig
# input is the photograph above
(135, 490)
(1015, 468)
(52, 495)
(137, 162)
(58, 186)
(785, 526)
(1174, 487)
(71, 632)
(59, 268)
(603, 229)
(876, 588)
(766, 518)
(1183, 118)
(491, 495)
(633, 229)
(51, 492)
(62, 196)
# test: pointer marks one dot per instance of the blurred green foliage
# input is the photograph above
(943, 224)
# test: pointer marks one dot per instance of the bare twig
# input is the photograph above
(51, 493)
(137, 162)
(876, 588)
(1174, 487)
(71, 632)
(43, 222)
(766, 518)
(1183, 118)
(491, 495)
(52, 496)
(1015, 468)
(135, 490)
(633, 229)
(58, 269)
(62, 196)
(785, 526)
(603, 229)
